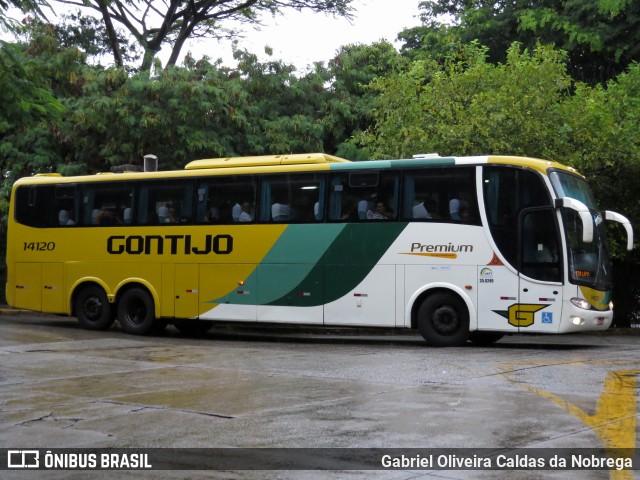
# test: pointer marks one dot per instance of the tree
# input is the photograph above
(602, 38)
(89, 34)
(600, 136)
(352, 102)
(468, 106)
(25, 6)
(155, 24)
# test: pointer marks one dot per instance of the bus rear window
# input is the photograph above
(43, 206)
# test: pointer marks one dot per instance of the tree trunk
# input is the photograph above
(111, 32)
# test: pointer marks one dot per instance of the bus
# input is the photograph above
(459, 248)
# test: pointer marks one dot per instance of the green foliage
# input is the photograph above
(601, 38)
(29, 108)
(601, 137)
(352, 103)
(468, 106)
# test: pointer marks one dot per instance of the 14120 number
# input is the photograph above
(39, 246)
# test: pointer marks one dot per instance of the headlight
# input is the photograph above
(610, 305)
(581, 303)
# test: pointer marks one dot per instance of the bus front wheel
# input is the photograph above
(136, 312)
(93, 308)
(443, 320)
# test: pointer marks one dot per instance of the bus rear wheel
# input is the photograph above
(136, 311)
(443, 320)
(93, 308)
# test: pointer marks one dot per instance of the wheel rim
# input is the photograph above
(92, 308)
(137, 312)
(445, 320)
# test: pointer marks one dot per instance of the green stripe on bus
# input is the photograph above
(346, 263)
(289, 261)
(292, 258)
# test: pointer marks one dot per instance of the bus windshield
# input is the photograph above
(589, 263)
(572, 186)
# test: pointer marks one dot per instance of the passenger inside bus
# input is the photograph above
(171, 215)
(246, 215)
(107, 217)
(380, 213)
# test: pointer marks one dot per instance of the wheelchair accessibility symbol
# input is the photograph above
(547, 317)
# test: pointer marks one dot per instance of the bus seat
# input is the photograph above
(280, 212)
(163, 215)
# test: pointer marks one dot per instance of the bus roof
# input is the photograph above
(264, 161)
(299, 163)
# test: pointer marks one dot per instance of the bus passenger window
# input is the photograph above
(66, 206)
(166, 202)
(107, 204)
(440, 194)
(363, 196)
(220, 200)
(294, 198)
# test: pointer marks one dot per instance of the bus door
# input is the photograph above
(540, 265)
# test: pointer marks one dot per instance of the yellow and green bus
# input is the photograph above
(457, 247)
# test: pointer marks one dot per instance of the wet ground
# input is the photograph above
(65, 387)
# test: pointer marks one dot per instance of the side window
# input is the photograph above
(167, 202)
(540, 245)
(441, 194)
(224, 200)
(295, 198)
(65, 206)
(507, 192)
(33, 206)
(363, 196)
(107, 204)
(47, 206)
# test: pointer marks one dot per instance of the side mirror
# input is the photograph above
(584, 213)
(616, 217)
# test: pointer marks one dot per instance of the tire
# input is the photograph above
(485, 338)
(93, 309)
(136, 311)
(443, 320)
